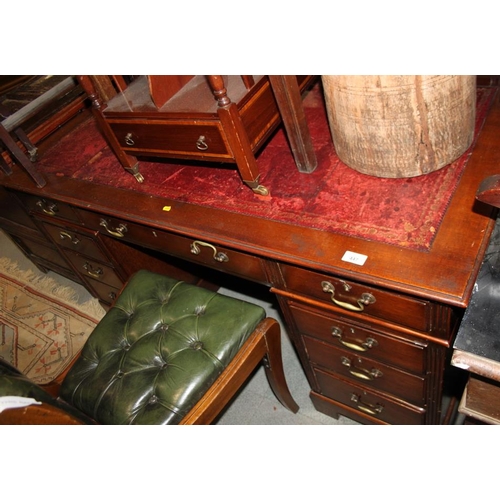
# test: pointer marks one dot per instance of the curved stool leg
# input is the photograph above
(273, 364)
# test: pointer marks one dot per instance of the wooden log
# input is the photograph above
(402, 125)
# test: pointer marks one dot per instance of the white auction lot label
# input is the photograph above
(354, 258)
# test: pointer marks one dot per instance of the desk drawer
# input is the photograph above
(348, 296)
(76, 241)
(89, 268)
(330, 328)
(177, 138)
(46, 206)
(365, 371)
(201, 252)
(45, 255)
(105, 292)
(368, 402)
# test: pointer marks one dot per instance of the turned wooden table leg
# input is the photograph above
(287, 93)
(129, 163)
(237, 136)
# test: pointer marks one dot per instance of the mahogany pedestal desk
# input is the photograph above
(373, 337)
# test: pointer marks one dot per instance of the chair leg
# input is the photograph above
(273, 364)
(263, 344)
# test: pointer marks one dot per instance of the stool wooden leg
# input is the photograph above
(263, 344)
(273, 364)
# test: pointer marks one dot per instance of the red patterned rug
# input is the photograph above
(334, 198)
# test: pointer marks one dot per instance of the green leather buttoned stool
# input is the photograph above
(172, 353)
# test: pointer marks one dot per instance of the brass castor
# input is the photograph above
(262, 190)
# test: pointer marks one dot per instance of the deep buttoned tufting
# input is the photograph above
(157, 351)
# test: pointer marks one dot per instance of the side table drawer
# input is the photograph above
(368, 402)
(175, 138)
(359, 299)
(201, 252)
(365, 371)
(330, 328)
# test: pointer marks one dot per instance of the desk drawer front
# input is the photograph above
(105, 292)
(42, 253)
(359, 299)
(46, 206)
(176, 138)
(89, 268)
(367, 402)
(76, 241)
(354, 339)
(365, 371)
(201, 252)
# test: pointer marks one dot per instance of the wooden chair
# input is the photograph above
(201, 118)
(31, 109)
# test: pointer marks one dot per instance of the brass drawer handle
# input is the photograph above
(361, 372)
(72, 238)
(367, 344)
(129, 141)
(365, 407)
(365, 299)
(47, 208)
(201, 144)
(218, 256)
(90, 270)
(118, 232)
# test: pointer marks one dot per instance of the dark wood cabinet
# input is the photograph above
(389, 347)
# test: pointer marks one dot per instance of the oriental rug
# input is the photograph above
(334, 198)
(42, 326)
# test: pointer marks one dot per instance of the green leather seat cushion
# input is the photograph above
(157, 351)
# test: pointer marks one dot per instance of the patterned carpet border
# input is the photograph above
(42, 325)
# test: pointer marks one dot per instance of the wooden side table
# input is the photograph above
(212, 118)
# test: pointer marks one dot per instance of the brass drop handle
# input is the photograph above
(90, 270)
(361, 373)
(49, 209)
(118, 232)
(201, 144)
(72, 238)
(129, 141)
(218, 256)
(365, 407)
(367, 344)
(364, 300)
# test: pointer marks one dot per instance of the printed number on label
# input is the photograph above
(354, 258)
